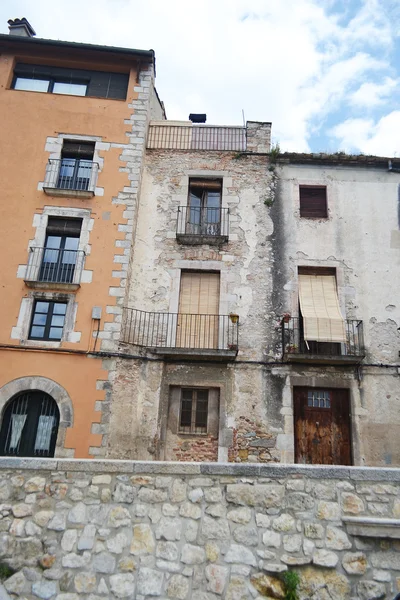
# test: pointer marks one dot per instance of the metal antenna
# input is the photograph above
(244, 120)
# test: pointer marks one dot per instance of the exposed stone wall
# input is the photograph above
(115, 529)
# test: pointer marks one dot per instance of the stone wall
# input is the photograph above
(118, 529)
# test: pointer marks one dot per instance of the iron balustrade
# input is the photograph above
(197, 137)
(202, 221)
(180, 330)
(71, 174)
(50, 265)
(293, 341)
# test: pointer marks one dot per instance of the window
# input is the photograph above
(76, 82)
(204, 207)
(48, 320)
(313, 203)
(30, 425)
(318, 399)
(198, 320)
(76, 165)
(61, 250)
(193, 411)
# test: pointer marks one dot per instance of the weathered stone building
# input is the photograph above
(312, 376)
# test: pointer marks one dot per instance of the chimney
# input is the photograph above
(258, 136)
(21, 27)
(197, 118)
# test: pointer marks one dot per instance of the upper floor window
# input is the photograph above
(313, 202)
(75, 82)
(204, 214)
(48, 320)
(76, 165)
(61, 250)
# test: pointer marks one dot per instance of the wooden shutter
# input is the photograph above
(313, 202)
(319, 303)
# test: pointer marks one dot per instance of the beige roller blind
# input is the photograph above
(199, 297)
(319, 303)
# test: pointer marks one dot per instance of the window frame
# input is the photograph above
(108, 85)
(207, 186)
(182, 429)
(307, 210)
(49, 317)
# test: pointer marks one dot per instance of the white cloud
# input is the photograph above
(371, 94)
(364, 135)
(291, 62)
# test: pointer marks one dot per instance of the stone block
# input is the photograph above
(240, 555)
(149, 582)
(143, 540)
(355, 563)
(325, 558)
(178, 587)
(122, 585)
(370, 590)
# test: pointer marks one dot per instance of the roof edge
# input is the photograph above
(150, 54)
(338, 158)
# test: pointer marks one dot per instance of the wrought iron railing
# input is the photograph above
(50, 265)
(179, 330)
(197, 221)
(197, 137)
(71, 174)
(293, 341)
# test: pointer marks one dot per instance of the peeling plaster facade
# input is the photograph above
(258, 266)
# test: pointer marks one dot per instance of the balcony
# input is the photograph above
(70, 177)
(54, 269)
(197, 225)
(196, 137)
(297, 349)
(213, 337)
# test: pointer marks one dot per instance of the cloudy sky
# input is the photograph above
(325, 72)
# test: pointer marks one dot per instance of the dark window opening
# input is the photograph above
(313, 202)
(76, 82)
(193, 411)
(204, 211)
(30, 425)
(76, 165)
(61, 250)
(48, 320)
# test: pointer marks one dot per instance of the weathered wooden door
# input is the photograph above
(197, 325)
(322, 426)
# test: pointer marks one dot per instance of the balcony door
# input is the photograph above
(198, 320)
(322, 426)
(204, 211)
(76, 165)
(61, 249)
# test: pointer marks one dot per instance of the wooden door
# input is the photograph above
(197, 325)
(322, 426)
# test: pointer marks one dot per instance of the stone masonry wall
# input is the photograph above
(117, 529)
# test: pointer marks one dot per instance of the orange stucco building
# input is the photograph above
(73, 123)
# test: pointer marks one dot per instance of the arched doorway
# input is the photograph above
(30, 425)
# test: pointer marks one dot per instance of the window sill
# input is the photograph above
(64, 193)
(52, 285)
(186, 434)
(40, 344)
(196, 240)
